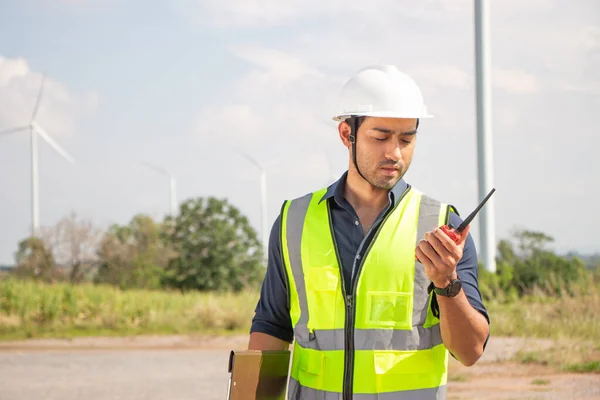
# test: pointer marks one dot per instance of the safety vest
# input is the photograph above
(379, 338)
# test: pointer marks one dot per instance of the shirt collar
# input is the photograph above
(336, 190)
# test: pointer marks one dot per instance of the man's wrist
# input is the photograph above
(443, 283)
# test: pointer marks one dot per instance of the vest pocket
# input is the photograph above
(323, 296)
(311, 368)
(311, 362)
(389, 309)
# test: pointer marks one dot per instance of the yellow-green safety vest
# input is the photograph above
(378, 339)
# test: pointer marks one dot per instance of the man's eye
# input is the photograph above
(380, 139)
(407, 141)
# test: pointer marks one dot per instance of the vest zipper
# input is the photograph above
(349, 353)
(348, 384)
(348, 340)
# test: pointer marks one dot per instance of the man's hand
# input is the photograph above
(440, 255)
(464, 330)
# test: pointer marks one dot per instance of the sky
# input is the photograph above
(183, 84)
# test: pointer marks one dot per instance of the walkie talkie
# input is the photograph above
(454, 233)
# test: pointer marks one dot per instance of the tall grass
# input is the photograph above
(548, 316)
(569, 317)
(29, 309)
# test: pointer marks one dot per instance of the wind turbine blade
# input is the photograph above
(248, 157)
(52, 143)
(157, 168)
(39, 99)
(14, 130)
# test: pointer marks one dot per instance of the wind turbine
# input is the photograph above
(263, 194)
(35, 129)
(172, 187)
(485, 162)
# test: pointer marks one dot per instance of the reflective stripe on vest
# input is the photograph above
(305, 393)
(396, 339)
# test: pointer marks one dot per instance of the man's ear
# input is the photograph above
(345, 131)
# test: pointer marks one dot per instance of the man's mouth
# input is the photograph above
(390, 170)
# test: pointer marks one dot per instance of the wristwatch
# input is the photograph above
(451, 290)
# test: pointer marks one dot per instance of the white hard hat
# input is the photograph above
(381, 91)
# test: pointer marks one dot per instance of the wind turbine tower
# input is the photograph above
(263, 195)
(485, 163)
(172, 186)
(36, 130)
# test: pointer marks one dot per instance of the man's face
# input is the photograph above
(384, 149)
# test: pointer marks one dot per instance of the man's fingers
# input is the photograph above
(423, 259)
(426, 261)
(448, 252)
(429, 251)
(441, 242)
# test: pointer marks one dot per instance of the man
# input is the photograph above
(372, 294)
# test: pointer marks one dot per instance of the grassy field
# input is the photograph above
(570, 321)
(30, 309)
(36, 310)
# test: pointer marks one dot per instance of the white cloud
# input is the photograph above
(237, 120)
(58, 110)
(259, 14)
(13, 68)
(580, 87)
(590, 38)
(281, 100)
(444, 75)
(276, 67)
(241, 13)
(514, 81)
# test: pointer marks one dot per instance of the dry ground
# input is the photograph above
(182, 368)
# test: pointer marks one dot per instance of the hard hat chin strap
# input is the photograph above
(354, 125)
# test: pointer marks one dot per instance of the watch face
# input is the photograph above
(454, 288)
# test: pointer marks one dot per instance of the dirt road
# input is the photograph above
(182, 368)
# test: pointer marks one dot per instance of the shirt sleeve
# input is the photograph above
(272, 313)
(468, 272)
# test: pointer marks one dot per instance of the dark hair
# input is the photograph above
(360, 120)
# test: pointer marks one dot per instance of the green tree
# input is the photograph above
(217, 248)
(135, 255)
(34, 260)
(535, 266)
(531, 243)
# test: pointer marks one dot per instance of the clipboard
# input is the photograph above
(258, 374)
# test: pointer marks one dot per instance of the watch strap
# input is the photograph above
(446, 291)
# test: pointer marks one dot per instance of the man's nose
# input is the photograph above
(394, 152)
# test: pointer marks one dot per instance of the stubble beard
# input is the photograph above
(372, 176)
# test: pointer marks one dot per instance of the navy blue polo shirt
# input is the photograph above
(272, 314)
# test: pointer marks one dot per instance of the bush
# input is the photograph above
(526, 267)
(216, 248)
